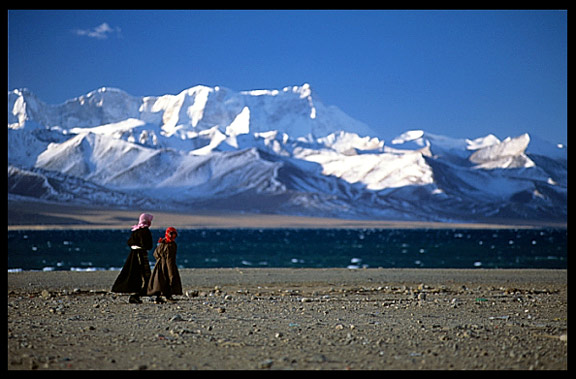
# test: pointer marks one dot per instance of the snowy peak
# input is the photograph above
(293, 110)
(484, 152)
(303, 92)
(102, 106)
(414, 139)
(23, 106)
(506, 154)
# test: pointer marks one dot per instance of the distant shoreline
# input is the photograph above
(29, 215)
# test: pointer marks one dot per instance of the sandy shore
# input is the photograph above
(294, 319)
(40, 215)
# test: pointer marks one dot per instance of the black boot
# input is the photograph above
(159, 300)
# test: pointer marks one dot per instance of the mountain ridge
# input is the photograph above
(276, 151)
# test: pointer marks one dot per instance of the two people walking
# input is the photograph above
(136, 278)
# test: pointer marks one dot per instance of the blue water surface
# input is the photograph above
(312, 248)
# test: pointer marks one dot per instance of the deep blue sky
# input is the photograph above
(454, 73)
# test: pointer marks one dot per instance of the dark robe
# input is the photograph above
(135, 274)
(165, 279)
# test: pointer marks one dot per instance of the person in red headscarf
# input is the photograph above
(165, 279)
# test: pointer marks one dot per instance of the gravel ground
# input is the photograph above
(302, 319)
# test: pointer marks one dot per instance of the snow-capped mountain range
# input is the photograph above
(274, 151)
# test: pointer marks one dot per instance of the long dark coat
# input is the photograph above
(135, 274)
(165, 279)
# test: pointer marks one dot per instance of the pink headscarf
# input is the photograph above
(144, 221)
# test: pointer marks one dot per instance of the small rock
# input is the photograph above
(176, 318)
(266, 363)
(317, 358)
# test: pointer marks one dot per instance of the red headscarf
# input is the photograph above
(170, 235)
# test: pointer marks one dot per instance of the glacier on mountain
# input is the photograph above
(276, 151)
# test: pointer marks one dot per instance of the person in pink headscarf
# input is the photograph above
(135, 274)
(144, 221)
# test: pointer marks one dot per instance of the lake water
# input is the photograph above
(88, 250)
